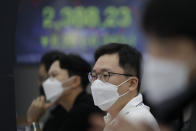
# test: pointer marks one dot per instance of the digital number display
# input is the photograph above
(75, 27)
(80, 17)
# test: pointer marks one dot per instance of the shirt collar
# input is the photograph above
(136, 101)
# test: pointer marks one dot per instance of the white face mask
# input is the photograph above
(105, 94)
(163, 78)
(53, 89)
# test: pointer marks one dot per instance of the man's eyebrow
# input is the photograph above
(105, 70)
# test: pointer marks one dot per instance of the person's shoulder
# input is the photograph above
(142, 114)
(84, 98)
(85, 102)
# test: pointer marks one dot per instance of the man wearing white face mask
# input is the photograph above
(65, 88)
(115, 81)
(170, 66)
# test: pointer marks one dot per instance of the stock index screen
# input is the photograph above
(75, 26)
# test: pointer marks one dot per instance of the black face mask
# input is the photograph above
(41, 91)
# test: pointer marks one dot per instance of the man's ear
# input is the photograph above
(76, 81)
(133, 83)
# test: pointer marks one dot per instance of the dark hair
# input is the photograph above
(170, 18)
(49, 57)
(76, 66)
(129, 57)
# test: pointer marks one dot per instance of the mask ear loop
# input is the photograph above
(68, 79)
(69, 87)
(122, 84)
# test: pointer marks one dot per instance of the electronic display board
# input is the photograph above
(77, 26)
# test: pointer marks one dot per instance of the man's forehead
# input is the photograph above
(54, 66)
(107, 62)
(55, 63)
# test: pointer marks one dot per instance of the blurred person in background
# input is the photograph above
(169, 79)
(65, 88)
(45, 63)
(96, 120)
(115, 84)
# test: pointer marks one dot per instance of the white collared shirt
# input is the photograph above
(135, 112)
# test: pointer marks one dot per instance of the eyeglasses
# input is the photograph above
(104, 76)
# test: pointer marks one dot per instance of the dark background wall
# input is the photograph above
(7, 38)
(26, 87)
